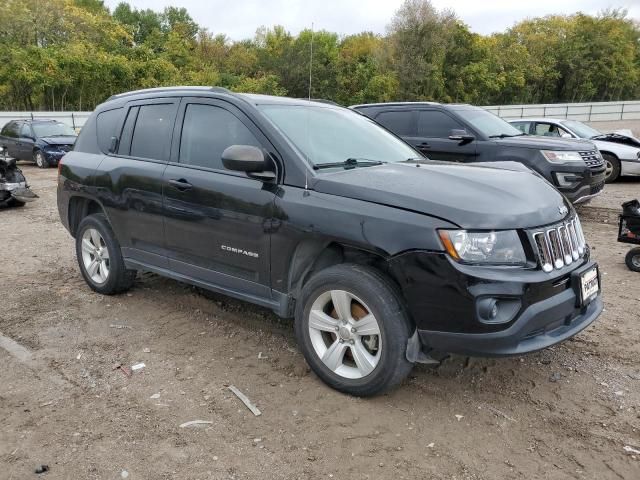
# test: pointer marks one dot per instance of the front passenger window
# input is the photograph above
(207, 131)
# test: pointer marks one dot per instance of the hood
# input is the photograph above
(470, 196)
(59, 140)
(546, 143)
(619, 149)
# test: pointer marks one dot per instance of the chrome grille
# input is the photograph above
(592, 158)
(559, 245)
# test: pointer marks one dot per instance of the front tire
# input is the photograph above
(353, 329)
(100, 258)
(633, 260)
(612, 165)
(40, 160)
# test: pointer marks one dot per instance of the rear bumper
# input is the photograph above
(542, 325)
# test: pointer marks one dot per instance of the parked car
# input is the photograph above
(621, 152)
(382, 256)
(43, 141)
(463, 133)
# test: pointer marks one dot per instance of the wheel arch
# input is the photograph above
(79, 208)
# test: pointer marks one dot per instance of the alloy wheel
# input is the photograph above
(345, 334)
(608, 168)
(95, 256)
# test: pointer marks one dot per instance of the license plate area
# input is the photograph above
(586, 285)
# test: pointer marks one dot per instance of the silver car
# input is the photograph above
(621, 152)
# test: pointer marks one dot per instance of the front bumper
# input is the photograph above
(53, 156)
(590, 185)
(443, 298)
(630, 167)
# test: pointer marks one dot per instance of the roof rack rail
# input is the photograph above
(170, 89)
(321, 100)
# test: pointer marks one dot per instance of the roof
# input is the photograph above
(258, 99)
(455, 106)
(538, 119)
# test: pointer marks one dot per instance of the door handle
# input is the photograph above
(181, 184)
(424, 145)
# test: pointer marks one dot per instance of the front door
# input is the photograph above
(432, 138)
(25, 142)
(217, 221)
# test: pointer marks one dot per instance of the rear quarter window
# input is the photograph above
(107, 125)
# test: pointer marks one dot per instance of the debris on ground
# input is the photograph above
(261, 356)
(195, 423)
(124, 474)
(119, 327)
(124, 369)
(146, 350)
(555, 377)
(154, 396)
(245, 400)
(459, 417)
(79, 356)
(42, 469)
(630, 450)
(137, 366)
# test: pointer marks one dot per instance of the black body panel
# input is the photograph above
(259, 238)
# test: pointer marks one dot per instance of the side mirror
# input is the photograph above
(461, 135)
(248, 159)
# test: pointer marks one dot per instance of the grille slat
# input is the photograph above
(592, 158)
(559, 245)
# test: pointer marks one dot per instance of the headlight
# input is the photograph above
(561, 157)
(497, 248)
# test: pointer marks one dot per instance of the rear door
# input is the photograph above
(217, 221)
(26, 141)
(133, 179)
(433, 128)
(10, 138)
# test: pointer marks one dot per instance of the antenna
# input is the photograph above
(306, 181)
(311, 60)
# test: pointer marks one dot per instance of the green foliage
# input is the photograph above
(73, 54)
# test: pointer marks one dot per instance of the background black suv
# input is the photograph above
(464, 133)
(316, 212)
(43, 141)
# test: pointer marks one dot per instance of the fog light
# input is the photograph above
(497, 310)
(567, 179)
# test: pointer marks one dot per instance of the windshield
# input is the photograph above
(329, 135)
(580, 129)
(52, 129)
(489, 124)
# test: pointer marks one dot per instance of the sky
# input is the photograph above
(239, 19)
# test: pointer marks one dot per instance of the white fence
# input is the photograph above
(73, 119)
(584, 112)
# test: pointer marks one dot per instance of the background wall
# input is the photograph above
(605, 116)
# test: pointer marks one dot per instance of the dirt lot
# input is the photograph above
(567, 412)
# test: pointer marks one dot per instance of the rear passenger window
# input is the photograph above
(152, 133)
(436, 124)
(25, 131)
(107, 124)
(207, 131)
(10, 130)
(400, 123)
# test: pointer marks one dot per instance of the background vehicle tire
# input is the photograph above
(633, 259)
(613, 167)
(353, 328)
(40, 159)
(100, 258)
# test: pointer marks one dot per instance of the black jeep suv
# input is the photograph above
(464, 133)
(382, 256)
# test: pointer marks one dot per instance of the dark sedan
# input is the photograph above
(42, 141)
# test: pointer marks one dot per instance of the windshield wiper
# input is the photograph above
(349, 163)
(506, 135)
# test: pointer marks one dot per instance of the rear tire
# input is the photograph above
(367, 301)
(100, 258)
(612, 167)
(40, 159)
(16, 203)
(633, 260)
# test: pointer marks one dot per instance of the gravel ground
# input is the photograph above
(565, 413)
